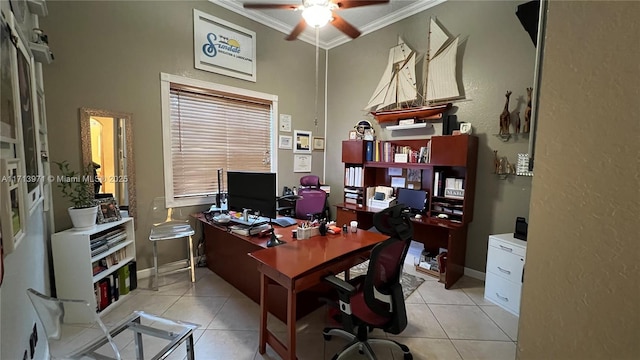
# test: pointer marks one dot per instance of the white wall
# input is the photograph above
(26, 267)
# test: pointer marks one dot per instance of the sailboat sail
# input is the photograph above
(398, 82)
(437, 38)
(397, 86)
(441, 79)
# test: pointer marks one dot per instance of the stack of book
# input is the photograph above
(103, 241)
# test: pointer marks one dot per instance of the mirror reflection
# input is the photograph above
(107, 145)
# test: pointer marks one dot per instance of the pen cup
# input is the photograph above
(354, 226)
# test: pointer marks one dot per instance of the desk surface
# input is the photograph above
(433, 221)
(297, 257)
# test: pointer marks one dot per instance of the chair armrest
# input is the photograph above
(163, 320)
(340, 285)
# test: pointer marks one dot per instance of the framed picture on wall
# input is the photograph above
(27, 111)
(318, 143)
(285, 142)
(302, 141)
(12, 213)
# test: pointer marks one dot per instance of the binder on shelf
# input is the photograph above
(115, 288)
(369, 151)
(105, 293)
(133, 276)
(123, 278)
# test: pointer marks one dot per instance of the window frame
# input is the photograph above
(165, 88)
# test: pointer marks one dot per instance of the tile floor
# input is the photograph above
(443, 324)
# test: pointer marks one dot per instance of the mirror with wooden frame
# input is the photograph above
(107, 143)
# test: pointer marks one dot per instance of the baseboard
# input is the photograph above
(474, 274)
(165, 267)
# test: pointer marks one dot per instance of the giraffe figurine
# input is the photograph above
(527, 112)
(505, 118)
(517, 123)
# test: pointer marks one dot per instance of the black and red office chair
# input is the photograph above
(375, 300)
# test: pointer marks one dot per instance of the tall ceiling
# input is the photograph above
(366, 18)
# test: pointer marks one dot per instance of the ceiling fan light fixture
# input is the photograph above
(317, 15)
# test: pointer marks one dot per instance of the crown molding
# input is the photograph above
(284, 28)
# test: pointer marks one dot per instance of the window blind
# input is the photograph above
(211, 131)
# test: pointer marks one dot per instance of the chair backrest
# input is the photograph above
(310, 181)
(310, 202)
(69, 325)
(382, 288)
(160, 214)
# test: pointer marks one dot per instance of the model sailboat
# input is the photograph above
(396, 96)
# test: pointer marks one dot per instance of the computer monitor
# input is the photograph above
(413, 199)
(252, 190)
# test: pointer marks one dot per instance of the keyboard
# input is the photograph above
(284, 221)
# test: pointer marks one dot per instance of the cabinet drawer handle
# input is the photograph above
(502, 297)
(504, 271)
(506, 248)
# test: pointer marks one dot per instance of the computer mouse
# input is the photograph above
(418, 216)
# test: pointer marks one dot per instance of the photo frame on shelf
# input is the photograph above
(353, 135)
(108, 211)
(12, 213)
(285, 142)
(318, 143)
(302, 142)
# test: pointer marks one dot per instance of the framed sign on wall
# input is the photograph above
(223, 47)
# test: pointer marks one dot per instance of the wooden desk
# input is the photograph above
(432, 232)
(301, 264)
(227, 257)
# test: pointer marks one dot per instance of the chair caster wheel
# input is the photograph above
(408, 357)
(326, 337)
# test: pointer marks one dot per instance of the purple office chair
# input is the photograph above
(311, 200)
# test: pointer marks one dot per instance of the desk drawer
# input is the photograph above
(345, 216)
(505, 264)
(507, 246)
(503, 293)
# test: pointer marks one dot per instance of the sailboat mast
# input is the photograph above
(425, 66)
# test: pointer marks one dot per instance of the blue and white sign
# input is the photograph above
(223, 48)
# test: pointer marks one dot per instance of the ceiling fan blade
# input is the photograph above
(297, 30)
(344, 26)
(346, 4)
(270, 6)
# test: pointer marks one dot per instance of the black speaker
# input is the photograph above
(521, 229)
(450, 124)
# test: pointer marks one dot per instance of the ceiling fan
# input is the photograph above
(318, 13)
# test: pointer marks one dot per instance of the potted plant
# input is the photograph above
(79, 189)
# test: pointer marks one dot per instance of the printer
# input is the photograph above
(380, 197)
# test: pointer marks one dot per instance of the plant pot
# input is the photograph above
(84, 218)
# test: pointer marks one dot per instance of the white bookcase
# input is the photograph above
(72, 260)
(505, 269)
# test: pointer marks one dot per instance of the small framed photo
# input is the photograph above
(465, 128)
(318, 143)
(302, 141)
(353, 135)
(108, 211)
(285, 142)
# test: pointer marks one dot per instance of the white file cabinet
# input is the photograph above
(505, 267)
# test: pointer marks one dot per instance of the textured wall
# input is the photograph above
(496, 55)
(109, 55)
(580, 296)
